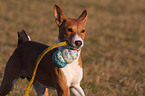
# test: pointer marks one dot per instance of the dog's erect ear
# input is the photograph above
(59, 15)
(83, 16)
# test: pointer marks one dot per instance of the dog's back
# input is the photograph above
(28, 52)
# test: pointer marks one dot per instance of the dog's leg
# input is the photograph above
(11, 74)
(63, 91)
(77, 90)
(46, 92)
(39, 88)
(6, 86)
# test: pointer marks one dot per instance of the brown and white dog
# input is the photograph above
(22, 62)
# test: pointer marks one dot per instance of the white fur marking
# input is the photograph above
(73, 72)
(77, 90)
(29, 38)
(77, 38)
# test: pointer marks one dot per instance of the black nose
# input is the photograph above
(78, 43)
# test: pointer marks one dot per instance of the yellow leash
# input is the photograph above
(38, 61)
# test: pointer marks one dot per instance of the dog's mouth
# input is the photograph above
(73, 45)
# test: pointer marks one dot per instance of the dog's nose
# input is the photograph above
(78, 43)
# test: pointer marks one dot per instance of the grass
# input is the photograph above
(114, 51)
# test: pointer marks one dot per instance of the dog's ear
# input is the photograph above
(59, 15)
(83, 17)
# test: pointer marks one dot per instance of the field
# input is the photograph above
(114, 51)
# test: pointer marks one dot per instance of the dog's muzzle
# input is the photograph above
(76, 45)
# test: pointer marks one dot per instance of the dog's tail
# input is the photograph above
(22, 37)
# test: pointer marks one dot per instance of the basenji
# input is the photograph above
(65, 80)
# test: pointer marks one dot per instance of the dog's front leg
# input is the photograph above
(62, 87)
(77, 90)
(63, 90)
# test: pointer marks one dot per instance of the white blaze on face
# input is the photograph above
(77, 38)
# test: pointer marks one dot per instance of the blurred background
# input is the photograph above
(114, 51)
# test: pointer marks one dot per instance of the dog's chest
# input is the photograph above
(73, 73)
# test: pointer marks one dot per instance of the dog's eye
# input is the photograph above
(82, 31)
(69, 29)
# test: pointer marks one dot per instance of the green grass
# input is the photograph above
(114, 51)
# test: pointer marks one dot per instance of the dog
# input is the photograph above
(65, 80)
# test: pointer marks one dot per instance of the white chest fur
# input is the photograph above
(73, 72)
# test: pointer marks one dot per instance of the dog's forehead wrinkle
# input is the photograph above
(75, 24)
(78, 26)
(71, 24)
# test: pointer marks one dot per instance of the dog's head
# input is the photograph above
(71, 30)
